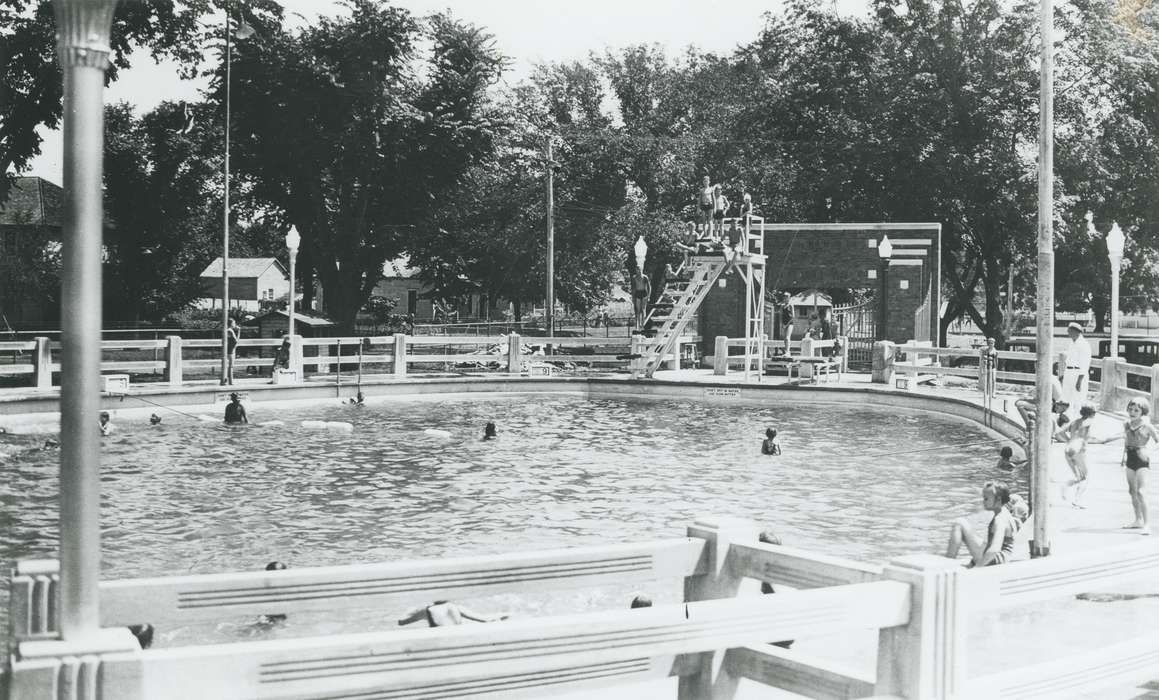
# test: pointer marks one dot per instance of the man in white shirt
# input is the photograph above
(1078, 366)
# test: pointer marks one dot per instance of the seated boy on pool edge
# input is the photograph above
(999, 545)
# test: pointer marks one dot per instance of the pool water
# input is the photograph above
(195, 497)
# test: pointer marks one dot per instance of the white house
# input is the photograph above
(251, 282)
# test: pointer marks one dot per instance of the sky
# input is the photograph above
(527, 31)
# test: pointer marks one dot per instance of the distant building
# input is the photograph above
(806, 304)
(252, 282)
(400, 281)
(30, 236)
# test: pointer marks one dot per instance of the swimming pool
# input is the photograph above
(195, 497)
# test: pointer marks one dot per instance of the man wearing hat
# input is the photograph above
(234, 411)
(1078, 366)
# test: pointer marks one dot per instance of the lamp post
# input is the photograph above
(884, 252)
(292, 242)
(1115, 243)
(244, 31)
(83, 29)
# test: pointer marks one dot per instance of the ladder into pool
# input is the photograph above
(682, 297)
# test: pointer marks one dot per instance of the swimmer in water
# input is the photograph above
(770, 446)
(105, 424)
(358, 400)
(234, 411)
(489, 431)
(640, 601)
(154, 419)
(1006, 459)
(443, 613)
(270, 619)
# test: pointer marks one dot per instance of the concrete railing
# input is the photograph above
(1114, 387)
(176, 358)
(920, 604)
(709, 641)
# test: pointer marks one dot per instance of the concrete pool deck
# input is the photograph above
(1073, 530)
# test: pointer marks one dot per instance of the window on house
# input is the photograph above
(412, 301)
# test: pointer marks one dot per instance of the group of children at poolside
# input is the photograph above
(1010, 511)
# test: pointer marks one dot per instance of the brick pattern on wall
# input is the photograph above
(837, 255)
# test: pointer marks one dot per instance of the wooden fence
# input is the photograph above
(920, 604)
(175, 358)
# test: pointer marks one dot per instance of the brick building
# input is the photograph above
(30, 236)
(843, 256)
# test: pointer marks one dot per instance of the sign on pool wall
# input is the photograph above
(721, 392)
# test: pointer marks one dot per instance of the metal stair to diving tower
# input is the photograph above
(685, 296)
(686, 293)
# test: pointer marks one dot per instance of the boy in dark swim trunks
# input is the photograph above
(999, 545)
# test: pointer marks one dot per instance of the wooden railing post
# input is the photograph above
(400, 354)
(925, 658)
(42, 364)
(174, 373)
(1107, 379)
(1155, 393)
(514, 360)
(636, 347)
(711, 680)
(720, 358)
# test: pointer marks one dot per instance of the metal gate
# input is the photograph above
(858, 322)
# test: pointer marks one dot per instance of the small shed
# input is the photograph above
(804, 305)
(274, 324)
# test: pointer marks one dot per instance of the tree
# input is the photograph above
(31, 92)
(343, 133)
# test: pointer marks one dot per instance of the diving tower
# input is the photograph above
(682, 297)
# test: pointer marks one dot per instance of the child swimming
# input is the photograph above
(1006, 459)
(770, 446)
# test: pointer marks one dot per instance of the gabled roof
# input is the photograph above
(243, 267)
(811, 297)
(299, 317)
(32, 201)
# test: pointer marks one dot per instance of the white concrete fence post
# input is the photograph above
(296, 357)
(1155, 393)
(720, 579)
(42, 363)
(636, 347)
(514, 360)
(1107, 379)
(925, 658)
(173, 370)
(400, 354)
(720, 358)
(884, 353)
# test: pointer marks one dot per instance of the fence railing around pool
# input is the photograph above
(176, 359)
(920, 604)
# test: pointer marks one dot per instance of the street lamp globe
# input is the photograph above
(293, 240)
(1115, 242)
(885, 248)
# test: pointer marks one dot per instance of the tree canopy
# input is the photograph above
(380, 133)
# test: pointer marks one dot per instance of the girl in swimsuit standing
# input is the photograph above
(1137, 434)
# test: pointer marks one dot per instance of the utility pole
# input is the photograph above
(549, 310)
(1040, 498)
